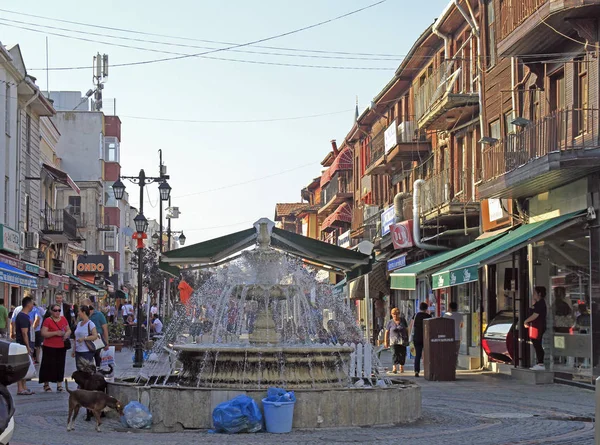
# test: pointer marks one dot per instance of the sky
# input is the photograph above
(224, 175)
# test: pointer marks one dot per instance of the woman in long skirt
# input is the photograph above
(56, 334)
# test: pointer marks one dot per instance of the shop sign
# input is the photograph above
(12, 261)
(396, 263)
(32, 268)
(402, 234)
(495, 209)
(344, 239)
(403, 282)
(53, 280)
(63, 279)
(92, 264)
(454, 277)
(10, 240)
(18, 279)
(389, 137)
(387, 219)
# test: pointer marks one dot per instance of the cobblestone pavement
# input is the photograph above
(478, 408)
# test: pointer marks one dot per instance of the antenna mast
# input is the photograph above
(100, 72)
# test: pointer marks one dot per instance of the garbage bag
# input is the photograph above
(238, 415)
(280, 395)
(136, 415)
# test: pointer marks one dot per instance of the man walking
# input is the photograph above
(22, 327)
(416, 329)
(458, 324)
(4, 322)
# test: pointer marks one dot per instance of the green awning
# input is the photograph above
(86, 284)
(466, 270)
(406, 278)
(170, 269)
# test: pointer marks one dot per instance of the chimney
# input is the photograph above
(334, 147)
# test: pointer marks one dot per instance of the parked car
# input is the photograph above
(14, 364)
(498, 338)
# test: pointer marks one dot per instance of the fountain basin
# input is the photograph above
(258, 367)
(176, 408)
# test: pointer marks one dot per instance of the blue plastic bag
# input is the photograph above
(136, 415)
(238, 415)
(280, 395)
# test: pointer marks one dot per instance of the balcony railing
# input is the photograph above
(513, 13)
(341, 182)
(449, 78)
(562, 131)
(59, 222)
(439, 189)
(377, 146)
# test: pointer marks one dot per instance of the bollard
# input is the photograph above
(596, 428)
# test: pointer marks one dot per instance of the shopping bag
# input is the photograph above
(31, 372)
(108, 357)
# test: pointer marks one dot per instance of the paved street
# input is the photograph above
(479, 408)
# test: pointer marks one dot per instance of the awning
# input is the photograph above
(378, 284)
(343, 161)
(174, 271)
(466, 270)
(17, 277)
(406, 278)
(338, 289)
(342, 214)
(86, 284)
(61, 176)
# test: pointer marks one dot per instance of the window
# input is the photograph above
(111, 239)
(111, 149)
(509, 128)
(557, 103)
(7, 110)
(491, 34)
(461, 173)
(534, 104)
(582, 97)
(495, 131)
(75, 205)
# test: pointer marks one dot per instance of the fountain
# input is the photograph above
(259, 322)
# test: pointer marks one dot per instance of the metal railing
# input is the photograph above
(561, 131)
(515, 12)
(377, 146)
(59, 221)
(406, 131)
(341, 182)
(447, 78)
(440, 190)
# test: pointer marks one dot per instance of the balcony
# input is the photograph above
(406, 147)
(335, 192)
(441, 198)
(58, 225)
(364, 221)
(551, 152)
(447, 96)
(522, 29)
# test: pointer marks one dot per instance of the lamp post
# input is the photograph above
(141, 226)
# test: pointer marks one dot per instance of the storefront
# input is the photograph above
(15, 283)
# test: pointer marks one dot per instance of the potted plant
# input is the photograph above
(116, 333)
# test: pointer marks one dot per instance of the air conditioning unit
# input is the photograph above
(406, 131)
(32, 240)
(22, 240)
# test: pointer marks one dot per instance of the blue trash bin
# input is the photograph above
(278, 416)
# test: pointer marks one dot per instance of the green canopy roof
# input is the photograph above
(466, 269)
(86, 284)
(406, 278)
(211, 252)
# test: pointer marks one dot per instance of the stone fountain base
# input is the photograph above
(176, 408)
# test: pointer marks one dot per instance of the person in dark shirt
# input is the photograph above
(416, 329)
(536, 323)
(22, 327)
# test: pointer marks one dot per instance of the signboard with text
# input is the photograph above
(402, 234)
(344, 239)
(10, 240)
(92, 264)
(387, 219)
(396, 263)
(390, 138)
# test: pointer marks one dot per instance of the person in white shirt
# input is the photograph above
(156, 324)
(154, 309)
(458, 324)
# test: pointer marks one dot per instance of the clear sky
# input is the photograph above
(202, 157)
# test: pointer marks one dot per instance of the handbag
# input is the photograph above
(66, 342)
(94, 345)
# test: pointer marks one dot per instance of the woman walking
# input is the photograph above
(85, 332)
(396, 335)
(55, 332)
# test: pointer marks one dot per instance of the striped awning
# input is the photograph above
(343, 161)
(342, 214)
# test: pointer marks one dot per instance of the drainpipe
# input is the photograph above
(417, 222)
(444, 37)
(398, 209)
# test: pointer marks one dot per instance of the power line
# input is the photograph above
(247, 121)
(256, 62)
(96, 26)
(156, 42)
(219, 227)
(241, 45)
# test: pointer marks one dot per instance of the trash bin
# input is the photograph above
(278, 416)
(439, 351)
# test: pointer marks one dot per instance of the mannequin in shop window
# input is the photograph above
(536, 323)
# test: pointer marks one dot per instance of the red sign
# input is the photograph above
(14, 262)
(402, 234)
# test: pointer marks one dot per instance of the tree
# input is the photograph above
(151, 276)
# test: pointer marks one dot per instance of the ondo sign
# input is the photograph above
(402, 234)
(92, 264)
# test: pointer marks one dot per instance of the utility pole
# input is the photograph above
(162, 170)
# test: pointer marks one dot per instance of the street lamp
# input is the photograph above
(141, 226)
(181, 239)
(165, 191)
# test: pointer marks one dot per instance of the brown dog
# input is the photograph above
(95, 401)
